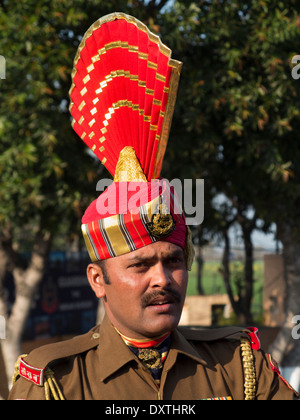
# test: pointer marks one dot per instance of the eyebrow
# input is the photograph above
(173, 254)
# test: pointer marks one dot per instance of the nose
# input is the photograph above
(160, 276)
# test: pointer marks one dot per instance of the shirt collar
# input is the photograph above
(180, 345)
(114, 354)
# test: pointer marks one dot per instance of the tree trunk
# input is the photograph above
(3, 272)
(284, 342)
(200, 264)
(226, 270)
(247, 295)
(26, 283)
(3, 302)
(239, 305)
(227, 275)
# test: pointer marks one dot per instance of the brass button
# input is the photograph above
(96, 336)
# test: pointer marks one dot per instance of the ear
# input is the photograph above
(96, 280)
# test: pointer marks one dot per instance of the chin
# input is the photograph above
(162, 326)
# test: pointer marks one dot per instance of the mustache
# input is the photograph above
(168, 293)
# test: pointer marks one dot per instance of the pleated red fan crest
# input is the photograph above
(123, 92)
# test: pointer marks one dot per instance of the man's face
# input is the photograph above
(147, 290)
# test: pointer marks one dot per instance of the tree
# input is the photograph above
(47, 177)
(237, 111)
(240, 108)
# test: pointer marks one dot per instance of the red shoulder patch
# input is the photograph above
(275, 367)
(273, 364)
(254, 336)
(31, 373)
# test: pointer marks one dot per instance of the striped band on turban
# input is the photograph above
(130, 215)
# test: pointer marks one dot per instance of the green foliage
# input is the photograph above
(47, 177)
(235, 123)
(238, 106)
(45, 170)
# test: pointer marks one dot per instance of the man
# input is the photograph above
(140, 248)
(144, 293)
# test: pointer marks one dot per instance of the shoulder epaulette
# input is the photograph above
(36, 367)
(249, 341)
(199, 334)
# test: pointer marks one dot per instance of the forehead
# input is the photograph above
(158, 249)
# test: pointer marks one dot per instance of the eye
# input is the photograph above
(136, 265)
(176, 260)
(140, 265)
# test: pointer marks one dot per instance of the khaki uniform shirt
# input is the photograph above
(201, 364)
